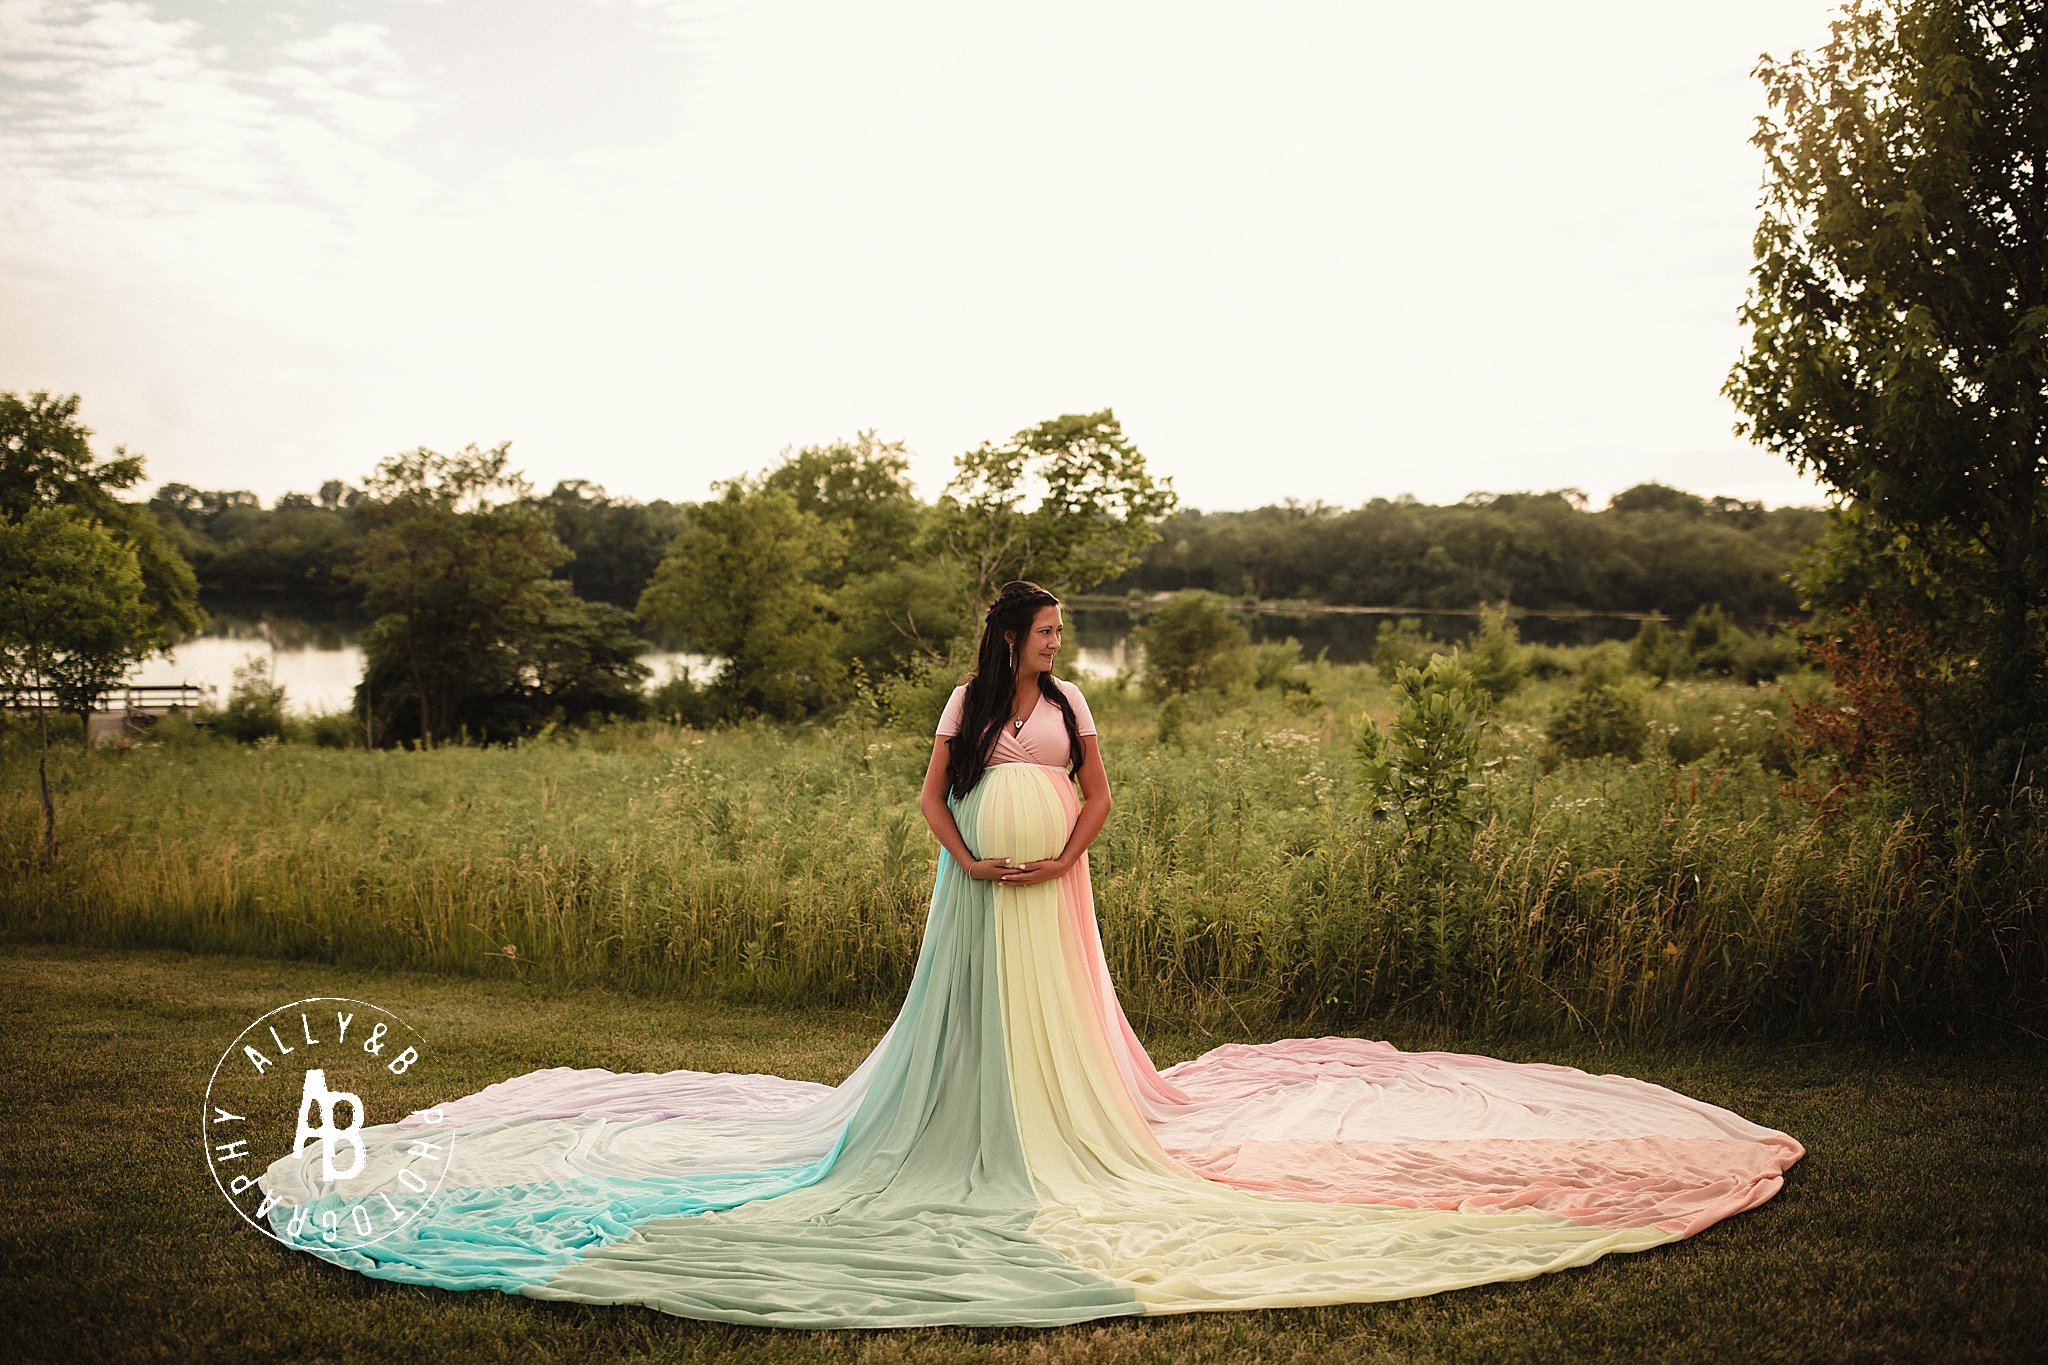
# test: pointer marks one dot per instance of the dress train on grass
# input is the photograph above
(1008, 1154)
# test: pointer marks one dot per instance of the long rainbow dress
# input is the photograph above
(1008, 1154)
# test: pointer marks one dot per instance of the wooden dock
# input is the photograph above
(121, 710)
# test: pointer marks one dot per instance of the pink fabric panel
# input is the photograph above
(1350, 1120)
(1678, 1184)
(1077, 900)
(1358, 1121)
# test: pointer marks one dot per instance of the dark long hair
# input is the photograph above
(991, 688)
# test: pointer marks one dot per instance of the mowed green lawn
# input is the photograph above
(1911, 1230)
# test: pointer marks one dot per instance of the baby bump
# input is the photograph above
(1020, 811)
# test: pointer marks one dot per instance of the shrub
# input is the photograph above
(1763, 658)
(912, 698)
(1426, 767)
(183, 730)
(1609, 657)
(1875, 724)
(1272, 667)
(1600, 717)
(334, 730)
(679, 701)
(1711, 642)
(1191, 643)
(1496, 654)
(1172, 721)
(255, 705)
(1657, 652)
(1545, 662)
(1402, 643)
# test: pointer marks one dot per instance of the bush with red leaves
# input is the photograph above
(1875, 724)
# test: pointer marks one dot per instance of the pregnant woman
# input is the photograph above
(1008, 1154)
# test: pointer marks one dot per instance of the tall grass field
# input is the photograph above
(1243, 875)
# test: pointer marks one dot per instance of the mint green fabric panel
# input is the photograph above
(935, 1267)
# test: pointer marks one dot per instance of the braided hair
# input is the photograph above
(991, 688)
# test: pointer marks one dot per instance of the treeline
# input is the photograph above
(1652, 548)
(494, 612)
(296, 552)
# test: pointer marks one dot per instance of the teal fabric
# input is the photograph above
(512, 1236)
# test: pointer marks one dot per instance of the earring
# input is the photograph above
(1013, 654)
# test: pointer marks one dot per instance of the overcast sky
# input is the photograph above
(1323, 251)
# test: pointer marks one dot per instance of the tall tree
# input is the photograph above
(1098, 507)
(897, 615)
(616, 542)
(860, 487)
(46, 460)
(1191, 643)
(1899, 310)
(73, 618)
(745, 579)
(455, 568)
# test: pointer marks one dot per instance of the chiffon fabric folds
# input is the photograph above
(1008, 1154)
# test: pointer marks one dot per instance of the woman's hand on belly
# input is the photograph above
(989, 869)
(1033, 872)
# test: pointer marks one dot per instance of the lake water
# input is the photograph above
(320, 663)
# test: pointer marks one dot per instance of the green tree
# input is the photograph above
(898, 616)
(745, 580)
(571, 663)
(73, 618)
(46, 460)
(861, 488)
(1192, 643)
(1098, 511)
(583, 662)
(1652, 548)
(455, 568)
(297, 552)
(1899, 313)
(1657, 497)
(614, 542)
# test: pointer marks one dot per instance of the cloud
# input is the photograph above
(655, 241)
(355, 81)
(129, 131)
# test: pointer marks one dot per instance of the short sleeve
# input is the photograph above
(956, 705)
(1084, 720)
